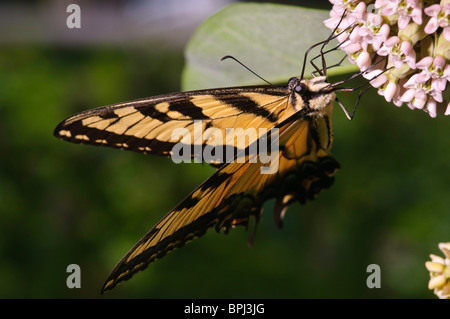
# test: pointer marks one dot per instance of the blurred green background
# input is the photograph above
(62, 203)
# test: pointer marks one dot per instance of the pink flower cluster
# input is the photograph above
(413, 35)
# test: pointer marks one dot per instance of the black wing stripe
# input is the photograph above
(151, 111)
(247, 105)
(188, 109)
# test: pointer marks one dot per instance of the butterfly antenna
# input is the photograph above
(322, 54)
(236, 60)
(323, 43)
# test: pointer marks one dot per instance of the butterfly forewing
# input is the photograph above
(149, 125)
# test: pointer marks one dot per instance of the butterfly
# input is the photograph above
(298, 115)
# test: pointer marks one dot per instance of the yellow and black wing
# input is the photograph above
(146, 125)
(237, 191)
(299, 114)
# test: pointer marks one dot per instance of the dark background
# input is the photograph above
(62, 203)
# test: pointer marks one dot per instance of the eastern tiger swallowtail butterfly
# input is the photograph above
(300, 112)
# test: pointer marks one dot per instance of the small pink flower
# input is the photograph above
(381, 3)
(388, 46)
(380, 37)
(435, 69)
(355, 12)
(418, 102)
(399, 52)
(407, 54)
(354, 8)
(333, 21)
(431, 107)
(351, 48)
(363, 61)
(373, 31)
(423, 89)
(376, 78)
(408, 96)
(419, 95)
(440, 17)
(389, 7)
(407, 11)
(436, 91)
(391, 91)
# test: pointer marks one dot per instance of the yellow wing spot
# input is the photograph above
(139, 250)
(101, 141)
(163, 131)
(97, 122)
(121, 112)
(132, 118)
(123, 274)
(82, 137)
(176, 115)
(162, 107)
(213, 108)
(119, 127)
(125, 123)
(144, 148)
(89, 120)
(65, 133)
(144, 127)
(138, 266)
(109, 283)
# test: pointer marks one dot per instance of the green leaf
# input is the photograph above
(269, 39)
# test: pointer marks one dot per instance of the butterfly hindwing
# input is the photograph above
(237, 191)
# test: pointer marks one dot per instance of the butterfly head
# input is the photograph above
(314, 94)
